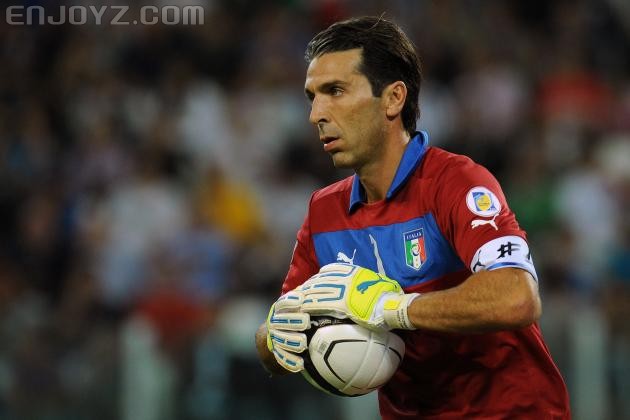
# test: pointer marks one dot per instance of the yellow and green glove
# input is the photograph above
(348, 291)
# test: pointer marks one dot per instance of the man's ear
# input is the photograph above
(394, 95)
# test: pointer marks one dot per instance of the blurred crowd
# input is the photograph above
(152, 179)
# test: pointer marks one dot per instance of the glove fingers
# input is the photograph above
(325, 299)
(289, 361)
(315, 307)
(289, 302)
(324, 291)
(335, 272)
(291, 341)
(292, 321)
(339, 269)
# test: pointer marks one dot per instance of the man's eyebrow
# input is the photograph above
(324, 87)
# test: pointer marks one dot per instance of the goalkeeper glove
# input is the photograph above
(283, 322)
(367, 298)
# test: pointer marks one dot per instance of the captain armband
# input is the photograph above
(507, 251)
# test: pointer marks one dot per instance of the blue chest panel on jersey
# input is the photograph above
(410, 252)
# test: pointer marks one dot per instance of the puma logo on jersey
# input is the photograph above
(341, 257)
(363, 286)
(479, 222)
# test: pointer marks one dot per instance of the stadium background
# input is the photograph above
(153, 177)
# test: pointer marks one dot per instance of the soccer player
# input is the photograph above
(435, 222)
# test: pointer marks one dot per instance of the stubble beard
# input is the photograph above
(339, 162)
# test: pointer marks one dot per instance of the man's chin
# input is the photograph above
(340, 162)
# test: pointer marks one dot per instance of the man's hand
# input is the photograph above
(349, 291)
(283, 323)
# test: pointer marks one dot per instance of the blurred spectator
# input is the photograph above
(154, 176)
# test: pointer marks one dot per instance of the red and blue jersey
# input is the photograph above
(443, 218)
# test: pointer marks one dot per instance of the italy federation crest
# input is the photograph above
(415, 252)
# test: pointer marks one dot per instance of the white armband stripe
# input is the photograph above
(507, 251)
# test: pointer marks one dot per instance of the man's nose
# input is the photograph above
(318, 112)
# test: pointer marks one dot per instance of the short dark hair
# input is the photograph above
(388, 55)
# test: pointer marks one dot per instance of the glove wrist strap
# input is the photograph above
(395, 311)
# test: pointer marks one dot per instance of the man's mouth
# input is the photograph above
(329, 142)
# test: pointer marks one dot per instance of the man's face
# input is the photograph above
(348, 117)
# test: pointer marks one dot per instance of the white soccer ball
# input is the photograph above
(346, 359)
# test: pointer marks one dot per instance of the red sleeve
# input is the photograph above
(304, 261)
(471, 209)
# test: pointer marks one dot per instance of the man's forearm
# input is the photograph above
(487, 301)
(265, 356)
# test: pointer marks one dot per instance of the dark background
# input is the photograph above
(152, 179)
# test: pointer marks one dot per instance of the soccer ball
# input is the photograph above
(346, 359)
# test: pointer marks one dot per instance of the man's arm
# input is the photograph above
(506, 298)
(489, 300)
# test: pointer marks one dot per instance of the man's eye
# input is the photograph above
(336, 91)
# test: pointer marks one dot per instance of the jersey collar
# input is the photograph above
(414, 152)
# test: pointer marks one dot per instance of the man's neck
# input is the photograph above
(376, 177)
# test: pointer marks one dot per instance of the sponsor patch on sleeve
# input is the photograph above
(483, 202)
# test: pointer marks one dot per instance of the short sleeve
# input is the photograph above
(472, 210)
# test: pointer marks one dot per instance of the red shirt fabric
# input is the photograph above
(441, 209)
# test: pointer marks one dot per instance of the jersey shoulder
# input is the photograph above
(452, 170)
(442, 162)
(338, 191)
